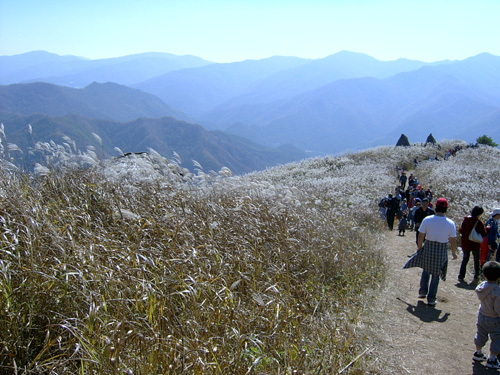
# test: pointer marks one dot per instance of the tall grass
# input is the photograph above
(136, 266)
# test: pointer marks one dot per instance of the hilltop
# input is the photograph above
(107, 101)
(141, 265)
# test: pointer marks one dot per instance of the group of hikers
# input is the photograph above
(409, 204)
(435, 233)
(453, 151)
(450, 152)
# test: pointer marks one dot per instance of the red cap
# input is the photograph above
(442, 202)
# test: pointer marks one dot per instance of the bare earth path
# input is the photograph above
(413, 338)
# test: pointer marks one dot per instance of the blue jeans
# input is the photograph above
(490, 252)
(426, 289)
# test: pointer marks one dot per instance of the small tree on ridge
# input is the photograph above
(485, 140)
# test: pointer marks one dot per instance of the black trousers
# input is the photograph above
(390, 219)
(463, 267)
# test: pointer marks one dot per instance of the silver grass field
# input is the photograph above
(134, 265)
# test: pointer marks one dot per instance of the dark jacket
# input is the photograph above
(492, 233)
(393, 205)
(468, 223)
(420, 215)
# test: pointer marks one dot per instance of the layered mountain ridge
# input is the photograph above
(343, 102)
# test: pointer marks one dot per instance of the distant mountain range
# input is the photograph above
(454, 100)
(346, 101)
(73, 71)
(166, 135)
(108, 101)
(198, 90)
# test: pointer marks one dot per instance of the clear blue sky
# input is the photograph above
(235, 30)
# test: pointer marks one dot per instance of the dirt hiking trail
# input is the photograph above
(413, 338)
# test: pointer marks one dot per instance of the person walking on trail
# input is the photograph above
(411, 180)
(403, 224)
(392, 209)
(411, 214)
(468, 246)
(420, 214)
(420, 192)
(488, 317)
(493, 235)
(402, 180)
(432, 255)
(382, 207)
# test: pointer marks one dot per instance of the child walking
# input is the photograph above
(488, 319)
(403, 223)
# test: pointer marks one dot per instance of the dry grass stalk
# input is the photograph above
(137, 266)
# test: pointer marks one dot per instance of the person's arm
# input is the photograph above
(453, 243)
(481, 229)
(421, 238)
(417, 217)
(496, 300)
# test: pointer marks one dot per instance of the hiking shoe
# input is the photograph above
(461, 280)
(479, 357)
(433, 303)
(493, 363)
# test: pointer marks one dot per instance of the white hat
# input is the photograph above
(495, 212)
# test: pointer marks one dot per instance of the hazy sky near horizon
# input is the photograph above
(235, 30)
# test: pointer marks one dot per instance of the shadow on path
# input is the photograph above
(479, 368)
(468, 286)
(425, 313)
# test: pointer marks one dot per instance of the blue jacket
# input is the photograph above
(493, 234)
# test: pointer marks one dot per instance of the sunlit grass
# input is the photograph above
(136, 266)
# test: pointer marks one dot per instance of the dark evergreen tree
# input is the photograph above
(403, 141)
(430, 139)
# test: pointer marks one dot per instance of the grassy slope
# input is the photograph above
(156, 270)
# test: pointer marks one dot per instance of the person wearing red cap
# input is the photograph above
(432, 254)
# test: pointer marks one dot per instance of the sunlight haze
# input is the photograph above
(227, 31)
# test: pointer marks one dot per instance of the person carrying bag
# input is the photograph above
(472, 232)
